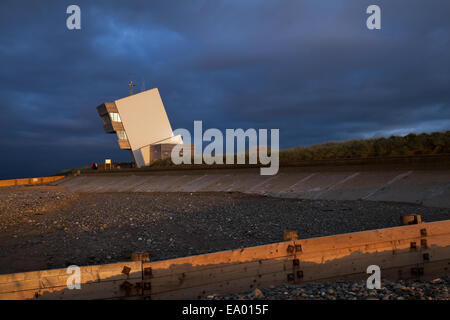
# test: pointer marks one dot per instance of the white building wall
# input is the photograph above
(145, 122)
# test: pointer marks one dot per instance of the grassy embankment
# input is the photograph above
(410, 145)
(413, 144)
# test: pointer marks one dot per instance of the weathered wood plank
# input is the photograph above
(395, 250)
(221, 273)
(89, 291)
(206, 261)
(235, 286)
(394, 246)
(356, 263)
(350, 240)
(56, 280)
(18, 182)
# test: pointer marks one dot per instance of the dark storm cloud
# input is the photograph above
(310, 68)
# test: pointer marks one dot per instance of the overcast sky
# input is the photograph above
(310, 68)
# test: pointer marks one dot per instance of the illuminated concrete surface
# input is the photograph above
(426, 187)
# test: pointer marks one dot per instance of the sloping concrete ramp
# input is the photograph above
(426, 187)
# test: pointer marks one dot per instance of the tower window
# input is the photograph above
(122, 135)
(114, 117)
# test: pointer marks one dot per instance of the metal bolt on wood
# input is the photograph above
(290, 235)
(140, 256)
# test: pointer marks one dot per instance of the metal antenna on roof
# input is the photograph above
(131, 84)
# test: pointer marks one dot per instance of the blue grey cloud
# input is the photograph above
(310, 68)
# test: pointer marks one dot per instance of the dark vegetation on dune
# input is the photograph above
(412, 144)
(436, 143)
